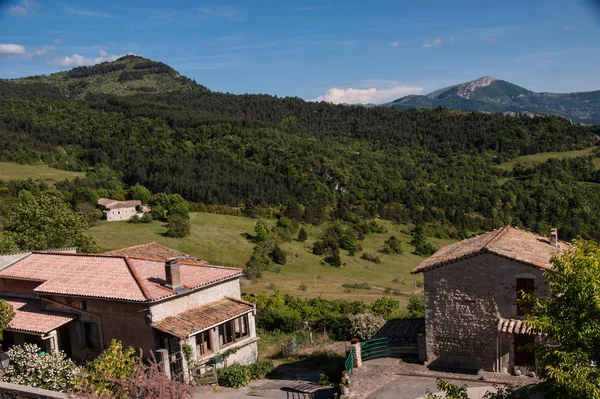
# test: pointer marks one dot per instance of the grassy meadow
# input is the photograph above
(220, 239)
(530, 160)
(39, 173)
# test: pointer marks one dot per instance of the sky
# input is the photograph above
(334, 50)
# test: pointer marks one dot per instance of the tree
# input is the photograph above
(168, 205)
(178, 227)
(139, 192)
(302, 235)
(54, 370)
(393, 246)
(6, 314)
(278, 255)
(91, 214)
(386, 307)
(262, 230)
(84, 195)
(569, 320)
(47, 221)
(364, 325)
(113, 364)
(416, 306)
(334, 259)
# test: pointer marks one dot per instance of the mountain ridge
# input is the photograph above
(488, 94)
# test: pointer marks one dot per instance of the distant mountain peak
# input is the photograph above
(466, 90)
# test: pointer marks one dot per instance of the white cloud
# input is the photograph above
(435, 43)
(25, 7)
(11, 49)
(568, 27)
(365, 96)
(394, 44)
(57, 41)
(80, 60)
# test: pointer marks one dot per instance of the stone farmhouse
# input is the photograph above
(79, 303)
(113, 210)
(473, 320)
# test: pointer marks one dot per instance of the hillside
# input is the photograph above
(313, 161)
(488, 94)
(129, 75)
(220, 240)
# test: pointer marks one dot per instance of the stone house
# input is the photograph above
(473, 320)
(113, 210)
(79, 303)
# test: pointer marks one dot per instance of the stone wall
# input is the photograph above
(463, 301)
(13, 391)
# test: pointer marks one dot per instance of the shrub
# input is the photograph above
(392, 246)
(178, 227)
(146, 218)
(302, 287)
(386, 307)
(302, 235)
(278, 255)
(235, 376)
(334, 259)
(324, 380)
(357, 286)
(425, 249)
(336, 325)
(53, 371)
(364, 325)
(6, 314)
(416, 306)
(371, 258)
(262, 230)
(260, 370)
(113, 364)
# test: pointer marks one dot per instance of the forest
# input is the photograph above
(316, 161)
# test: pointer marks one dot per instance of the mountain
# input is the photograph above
(128, 75)
(488, 94)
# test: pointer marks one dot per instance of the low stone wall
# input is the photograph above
(14, 391)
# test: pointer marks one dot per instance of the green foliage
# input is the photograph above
(262, 230)
(422, 247)
(178, 226)
(302, 234)
(234, 376)
(115, 363)
(139, 192)
(386, 307)
(260, 370)
(91, 214)
(334, 258)
(84, 195)
(392, 246)
(302, 287)
(53, 371)
(324, 380)
(416, 306)
(569, 319)
(278, 255)
(450, 390)
(371, 257)
(47, 221)
(169, 205)
(6, 314)
(357, 286)
(146, 218)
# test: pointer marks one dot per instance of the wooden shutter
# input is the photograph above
(79, 332)
(524, 286)
(95, 337)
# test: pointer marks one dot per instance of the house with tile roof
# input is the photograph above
(113, 210)
(79, 303)
(473, 317)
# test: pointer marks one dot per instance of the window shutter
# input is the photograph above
(79, 332)
(95, 338)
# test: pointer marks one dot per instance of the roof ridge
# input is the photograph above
(496, 237)
(102, 255)
(240, 300)
(210, 265)
(137, 257)
(137, 279)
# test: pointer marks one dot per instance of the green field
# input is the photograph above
(220, 240)
(530, 160)
(39, 173)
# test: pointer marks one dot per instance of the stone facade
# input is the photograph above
(464, 301)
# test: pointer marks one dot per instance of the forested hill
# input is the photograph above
(129, 75)
(316, 160)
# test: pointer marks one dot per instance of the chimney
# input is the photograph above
(173, 274)
(554, 237)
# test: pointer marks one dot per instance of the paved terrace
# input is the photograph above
(392, 378)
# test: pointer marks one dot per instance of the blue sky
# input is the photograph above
(341, 51)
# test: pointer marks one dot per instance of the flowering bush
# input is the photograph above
(364, 325)
(52, 371)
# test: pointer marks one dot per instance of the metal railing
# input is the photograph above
(374, 348)
(350, 361)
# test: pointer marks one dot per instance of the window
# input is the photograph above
(524, 356)
(83, 305)
(524, 286)
(87, 335)
(203, 343)
(233, 330)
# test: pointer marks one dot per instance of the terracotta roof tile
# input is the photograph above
(153, 277)
(114, 204)
(510, 242)
(155, 251)
(203, 317)
(29, 316)
(513, 326)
